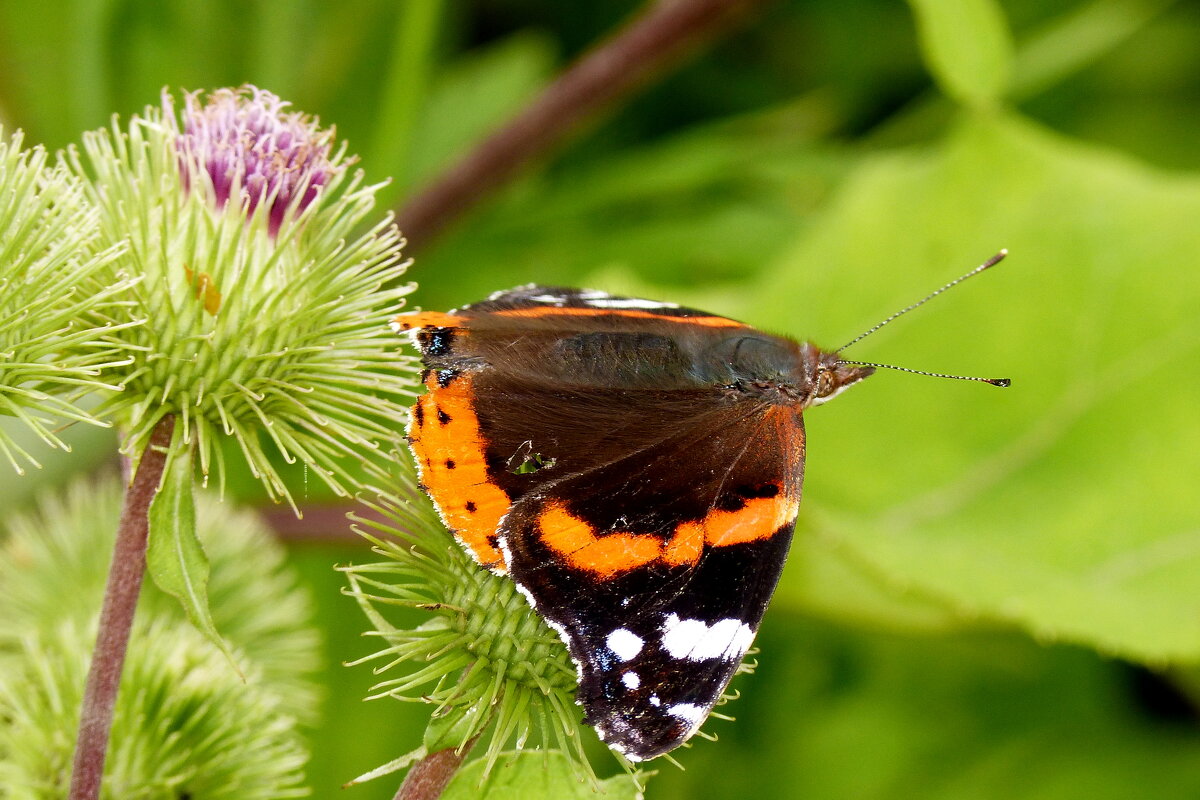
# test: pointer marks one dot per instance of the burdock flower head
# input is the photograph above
(56, 334)
(265, 311)
(254, 152)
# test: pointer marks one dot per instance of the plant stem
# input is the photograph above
(427, 779)
(116, 616)
(324, 524)
(662, 34)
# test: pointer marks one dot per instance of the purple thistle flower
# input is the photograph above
(254, 151)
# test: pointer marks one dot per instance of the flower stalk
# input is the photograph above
(428, 778)
(116, 616)
(185, 724)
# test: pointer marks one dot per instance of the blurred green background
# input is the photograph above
(992, 593)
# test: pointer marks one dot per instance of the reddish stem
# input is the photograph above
(662, 34)
(116, 617)
(427, 779)
(321, 524)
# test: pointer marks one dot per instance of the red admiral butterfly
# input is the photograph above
(635, 468)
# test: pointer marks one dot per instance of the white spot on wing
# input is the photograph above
(552, 299)
(631, 680)
(624, 643)
(695, 640)
(690, 713)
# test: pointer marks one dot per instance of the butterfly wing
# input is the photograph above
(602, 453)
(656, 568)
(491, 364)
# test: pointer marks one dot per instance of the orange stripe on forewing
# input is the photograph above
(426, 319)
(446, 441)
(612, 553)
(567, 311)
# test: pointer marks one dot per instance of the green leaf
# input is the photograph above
(534, 774)
(967, 47)
(1065, 504)
(174, 557)
(823, 578)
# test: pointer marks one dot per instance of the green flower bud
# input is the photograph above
(57, 303)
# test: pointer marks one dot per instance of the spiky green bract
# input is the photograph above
(184, 727)
(483, 659)
(54, 563)
(265, 312)
(58, 289)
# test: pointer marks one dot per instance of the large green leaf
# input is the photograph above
(1064, 504)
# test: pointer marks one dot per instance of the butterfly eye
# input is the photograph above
(825, 383)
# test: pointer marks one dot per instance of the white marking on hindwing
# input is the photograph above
(690, 713)
(624, 643)
(631, 680)
(695, 640)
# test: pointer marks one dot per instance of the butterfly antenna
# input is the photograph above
(991, 262)
(992, 381)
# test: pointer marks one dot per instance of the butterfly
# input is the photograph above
(635, 467)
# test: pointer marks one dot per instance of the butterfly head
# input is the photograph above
(832, 376)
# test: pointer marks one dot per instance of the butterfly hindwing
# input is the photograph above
(656, 576)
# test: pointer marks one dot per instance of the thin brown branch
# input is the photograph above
(659, 37)
(321, 524)
(428, 778)
(116, 616)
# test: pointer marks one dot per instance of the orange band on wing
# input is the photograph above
(566, 311)
(445, 438)
(425, 319)
(616, 552)
(613, 553)
(758, 519)
(686, 545)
